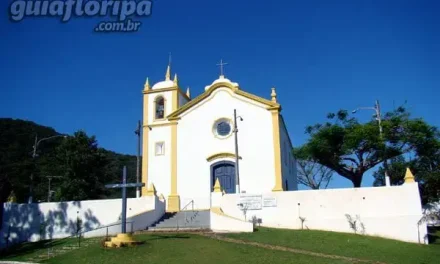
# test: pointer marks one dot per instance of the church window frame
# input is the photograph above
(156, 101)
(222, 121)
(159, 148)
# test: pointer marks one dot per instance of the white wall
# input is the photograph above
(145, 219)
(33, 222)
(223, 223)
(391, 212)
(159, 167)
(288, 162)
(196, 142)
(182, 100)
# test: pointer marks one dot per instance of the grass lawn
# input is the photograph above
(182, 249)
(26, 251)
(349, 245)
(190, 248)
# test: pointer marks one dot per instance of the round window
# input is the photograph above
(222, 128)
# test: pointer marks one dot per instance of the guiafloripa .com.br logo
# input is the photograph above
(122, 10)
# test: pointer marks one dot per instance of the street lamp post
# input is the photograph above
(34, 155)
(138, 158)
(237, 176)
(376, 108)
(49, 191)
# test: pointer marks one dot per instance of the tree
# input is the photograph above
(16, 164)
(396, 171)
(425, 165)
(311, 173)
(81, 164)
(351, 148)
(17, 138)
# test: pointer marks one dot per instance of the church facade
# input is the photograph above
(189, 143)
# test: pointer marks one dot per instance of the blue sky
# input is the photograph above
(320, 55)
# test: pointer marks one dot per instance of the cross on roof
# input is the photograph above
(221, 64)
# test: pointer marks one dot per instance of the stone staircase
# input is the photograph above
(184, 220)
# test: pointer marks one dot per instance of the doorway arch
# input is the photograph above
(225, 172)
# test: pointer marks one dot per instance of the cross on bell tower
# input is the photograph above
(222, 64)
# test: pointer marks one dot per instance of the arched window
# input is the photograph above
(160, 107)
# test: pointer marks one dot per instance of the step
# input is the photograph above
(186, 217)
(183, 229)
(180, 227)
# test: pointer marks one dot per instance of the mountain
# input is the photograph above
(83, 166)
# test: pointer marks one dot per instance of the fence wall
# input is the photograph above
(33, 222)
(391, 212)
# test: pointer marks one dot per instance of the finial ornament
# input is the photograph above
(176, 81)
(217, 186)
(274, 95)
(147, 85)
(409, 177)
(222, 64)
(168, 73)
(188, 94)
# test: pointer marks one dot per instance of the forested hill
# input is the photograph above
(84, 167)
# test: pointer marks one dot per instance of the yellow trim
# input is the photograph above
(217, 186)
(277, 151)
(409, 177)
(175, 98)
(173, 198)
(147, 85)
(145, 149)
(274, 108)
(173, 203)
(164, 108)
(155, 148)
(161, 90)
(172, 88)
(175, 115)
(221, 155)
(214, 131)
(256, 98)
(160, 124)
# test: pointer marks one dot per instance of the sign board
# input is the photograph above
(269, 202)
(250, 202)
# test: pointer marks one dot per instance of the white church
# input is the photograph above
(189, 143)
(190, 166)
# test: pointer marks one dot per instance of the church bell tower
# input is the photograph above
(159, 147)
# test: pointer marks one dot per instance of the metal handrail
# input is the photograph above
(191, 202)
(184, 211)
